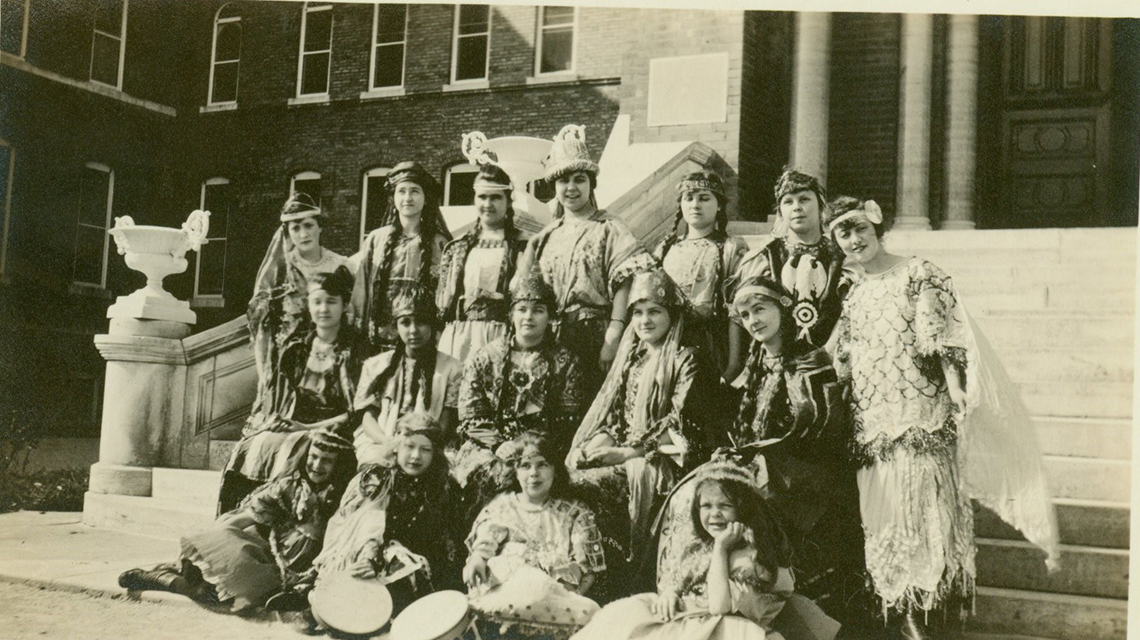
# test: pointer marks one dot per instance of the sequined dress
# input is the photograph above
(897, 331)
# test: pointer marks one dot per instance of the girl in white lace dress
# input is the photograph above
(922, 427)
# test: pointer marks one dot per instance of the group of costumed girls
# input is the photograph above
(704, 441)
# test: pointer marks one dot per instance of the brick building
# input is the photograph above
(152, 108)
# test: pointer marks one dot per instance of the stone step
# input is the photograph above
(1104, 438)
(1089, 478)
(1085, 571)
(1013, 330)
(144, 515)
(1066, 364)
(1078, 399)
(1048, 615)
(1090, 523)
(1070, 242)
(1049, 298)
(1112, 274)
(188, 486)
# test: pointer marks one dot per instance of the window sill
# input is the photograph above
(467, 85)
(208, 302)
(320, 98)
(552, 78)
(89, 291)
(383, 92)
(216, 108)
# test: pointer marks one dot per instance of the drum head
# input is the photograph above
(351, 605)
(439, 616)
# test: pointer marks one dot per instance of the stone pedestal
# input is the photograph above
(142, 398)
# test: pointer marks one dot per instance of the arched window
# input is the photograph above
(217, 197)
(95, 202)
(373, 199)
(226, 57)
(309, 183)
(459, 185)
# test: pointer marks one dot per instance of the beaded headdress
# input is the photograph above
(414, 301)
(792, 181)
(531, 286)
(655, 286)
(412, 171)
(760, 286)
(329, 440)
(754, 476)
(299, 205)
(702, 180)
(569, 154)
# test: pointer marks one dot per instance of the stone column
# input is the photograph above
(962, 122)
(811, 93)
(914, 122)
(142, 398)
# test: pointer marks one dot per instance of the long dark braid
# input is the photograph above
(510, 237)
(747, 413)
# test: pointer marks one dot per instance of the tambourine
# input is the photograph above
(352, 605)
(439, 616)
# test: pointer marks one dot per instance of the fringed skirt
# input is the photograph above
(919, 530)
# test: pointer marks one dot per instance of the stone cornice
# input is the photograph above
(140, 349)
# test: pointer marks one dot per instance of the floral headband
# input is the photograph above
(869, 210)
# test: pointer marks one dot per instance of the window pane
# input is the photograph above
(310, 187)
(318, 30)
(229, 42)
(471, 60)
(557, 15)
(461, 189)
(105, 60)
(389, 66)
(225, 82)
(315, 74)
(377, 202)
(557, 50)
(93, 198)
(11, 25)
(212, 266)
(89, 254)
(473, 18)
(109, 16)
(218, 203)
(390, 23)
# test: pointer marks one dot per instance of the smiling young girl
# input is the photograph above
(587, 257)
(701, 257)
(647, 425)
(403, 254)
(936, 423)
(414, 376)
(476, 270)
(534, 553)
(732, 581)
(311, 386)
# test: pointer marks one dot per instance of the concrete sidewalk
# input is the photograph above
(56, 550)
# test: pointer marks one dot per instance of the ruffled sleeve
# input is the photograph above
(940, 323)
(625, 255)
(586, 541)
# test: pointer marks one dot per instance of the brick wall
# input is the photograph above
(863, 127)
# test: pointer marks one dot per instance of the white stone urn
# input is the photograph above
(521, 157)
(157, 252)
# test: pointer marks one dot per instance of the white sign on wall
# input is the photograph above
(688, 90)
